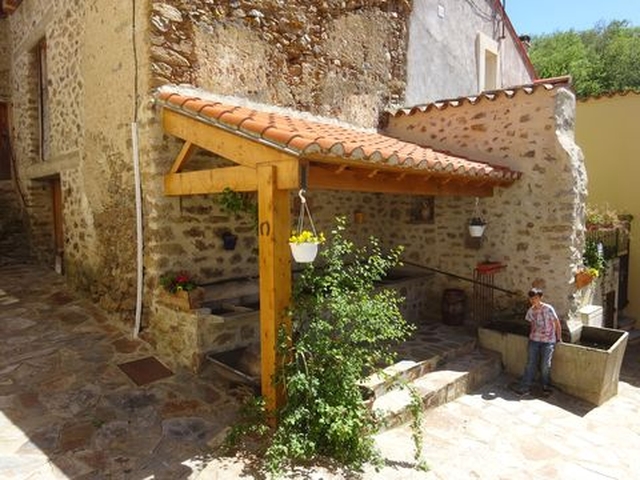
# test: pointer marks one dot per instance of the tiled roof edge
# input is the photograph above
(612, 94)
(488, 95)
(188, 90)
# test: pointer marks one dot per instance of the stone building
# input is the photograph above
(85, 112)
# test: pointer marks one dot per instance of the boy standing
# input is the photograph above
(545, 332)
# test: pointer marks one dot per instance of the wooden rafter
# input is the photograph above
(185, 154)
(321, 177)
(230, 145)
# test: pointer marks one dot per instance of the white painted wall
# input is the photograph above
(444, 60)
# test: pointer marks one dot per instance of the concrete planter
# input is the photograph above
(588, 369)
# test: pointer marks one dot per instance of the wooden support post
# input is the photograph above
(274, 227)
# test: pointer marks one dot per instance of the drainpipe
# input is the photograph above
(136, 172)
(138, 189)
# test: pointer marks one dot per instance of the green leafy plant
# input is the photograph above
(343, 330)
(593, 258)
(178, 282)
(237, 203)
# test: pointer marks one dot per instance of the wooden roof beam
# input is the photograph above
(238, 178)
(321, 177)
(232, 145)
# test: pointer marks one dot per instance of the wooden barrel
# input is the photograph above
(454, 306)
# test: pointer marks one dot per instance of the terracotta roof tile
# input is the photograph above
(490, 95)
(306, 135)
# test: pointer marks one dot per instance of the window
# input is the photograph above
(488, 61)
(43, 98)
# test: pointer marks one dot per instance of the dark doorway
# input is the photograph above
(5, 143)
(58, 233)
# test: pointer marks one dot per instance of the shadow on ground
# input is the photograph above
(66, 408)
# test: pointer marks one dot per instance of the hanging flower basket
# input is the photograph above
(304, 243)
(304, 252)
(477, 224)
(476, 230)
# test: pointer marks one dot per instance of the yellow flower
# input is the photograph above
(306, 236)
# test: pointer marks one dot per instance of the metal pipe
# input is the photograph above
(460, 277)
(139, 259)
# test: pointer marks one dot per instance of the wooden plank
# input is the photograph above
(360, 181)
(232, 146)
(238, 178)
(274, 225)
(185, 154)
(214, 180)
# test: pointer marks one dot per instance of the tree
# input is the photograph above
(600, 60)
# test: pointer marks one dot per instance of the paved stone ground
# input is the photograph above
(67, 411)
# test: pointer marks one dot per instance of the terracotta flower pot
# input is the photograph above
(583, 279)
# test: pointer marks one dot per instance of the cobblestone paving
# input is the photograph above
(68, 411)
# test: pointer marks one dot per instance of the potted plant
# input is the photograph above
(304, 245)
(594, 263)
(229, 240)
(585, 276)
(180, 290)
(477, 226)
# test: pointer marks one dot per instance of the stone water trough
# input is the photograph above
(239, 358)
(588, 369)
(226, 330)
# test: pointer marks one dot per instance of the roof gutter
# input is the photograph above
(519, 45)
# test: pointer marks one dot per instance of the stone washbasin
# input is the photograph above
(588, 369)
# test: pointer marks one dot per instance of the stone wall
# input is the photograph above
(335, 58)
(14, 238)
(91, 84)
(342, 59)
(536, 225)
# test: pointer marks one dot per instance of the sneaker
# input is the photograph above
(518, 389)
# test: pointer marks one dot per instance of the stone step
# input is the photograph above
(448, 381)
(626, 323)
(407, 369)
(634, 336)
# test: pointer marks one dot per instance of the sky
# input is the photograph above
(536, 17)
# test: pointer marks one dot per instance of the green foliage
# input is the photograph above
(603, 59)
(178, 282)
(343, 329)
(417, 413)
(237, 203)
(593, 258)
